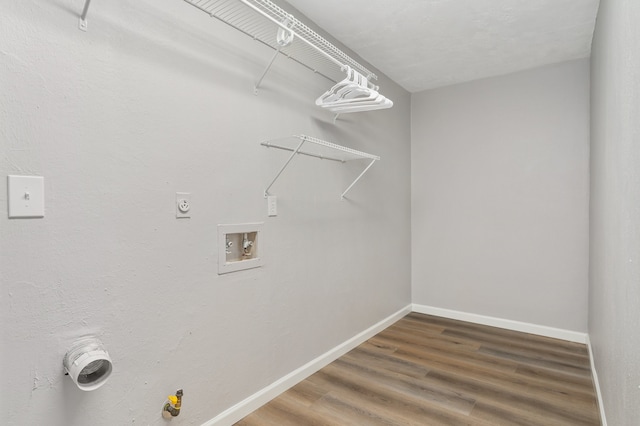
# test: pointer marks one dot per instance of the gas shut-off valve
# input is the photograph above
(171, 409)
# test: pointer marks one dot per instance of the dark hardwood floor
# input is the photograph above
(426, 370)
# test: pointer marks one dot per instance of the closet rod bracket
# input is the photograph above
(82, 23)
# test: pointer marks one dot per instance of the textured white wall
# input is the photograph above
(500, 193)
(156, 98)
(614, 293)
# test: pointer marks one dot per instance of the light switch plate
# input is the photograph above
(272, 206)
(26, 196)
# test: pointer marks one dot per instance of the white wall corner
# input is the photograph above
(258, 399)
(541, 330)
(596, 384)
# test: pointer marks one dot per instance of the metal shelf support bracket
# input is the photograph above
(257, 85)
(327, 151)
(357, 179)
(293, 154)
(82, 24)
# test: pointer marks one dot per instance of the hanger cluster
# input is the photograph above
(354, 93)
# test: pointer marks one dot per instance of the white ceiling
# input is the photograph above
(422, 44)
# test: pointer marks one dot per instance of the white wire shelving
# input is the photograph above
(262, 20)
(269, 24)
(314, 147)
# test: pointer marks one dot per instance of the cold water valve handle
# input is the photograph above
(172, 408)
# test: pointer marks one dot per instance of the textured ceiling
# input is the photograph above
(422, 44)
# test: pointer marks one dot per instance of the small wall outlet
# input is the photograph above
(183, 205)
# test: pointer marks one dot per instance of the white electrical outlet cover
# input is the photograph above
(183, 205)
(26, 196)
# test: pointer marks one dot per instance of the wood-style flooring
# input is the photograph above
(427, 370)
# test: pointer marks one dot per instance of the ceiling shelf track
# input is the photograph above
(314, 147)
(266, 22)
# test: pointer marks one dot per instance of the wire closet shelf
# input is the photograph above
(314, 147)
(256, 18)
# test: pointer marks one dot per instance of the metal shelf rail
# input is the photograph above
(319, 149)
(256, 18)
(266, 22)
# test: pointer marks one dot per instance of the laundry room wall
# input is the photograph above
(614, 293)
(500, 193)
(157, 98)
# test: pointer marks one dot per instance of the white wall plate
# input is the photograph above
(26, 196)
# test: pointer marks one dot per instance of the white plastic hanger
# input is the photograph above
(385, 103)
(358, 92)
(356, 97)
(353, 94)
(332, 94)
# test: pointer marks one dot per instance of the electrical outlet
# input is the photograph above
(183, 205)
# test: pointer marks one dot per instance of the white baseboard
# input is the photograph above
(541, 330)
(258, 399)
(596, 384)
